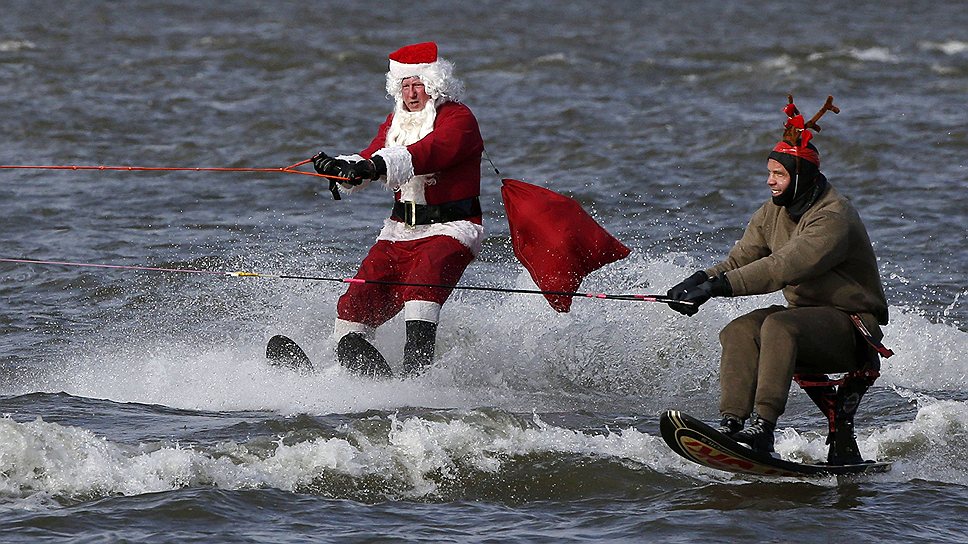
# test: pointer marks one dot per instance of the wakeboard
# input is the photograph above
(283, 352)
(700, 443)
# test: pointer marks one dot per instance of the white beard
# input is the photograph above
(408, 127)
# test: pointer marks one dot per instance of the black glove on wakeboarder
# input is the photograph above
(687, 284)
(680, 290)
(697, 290)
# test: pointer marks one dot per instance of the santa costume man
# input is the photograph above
(428, 153)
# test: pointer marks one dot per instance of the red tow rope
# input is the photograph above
(291, 169)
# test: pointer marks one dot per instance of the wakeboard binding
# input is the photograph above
(839, 400)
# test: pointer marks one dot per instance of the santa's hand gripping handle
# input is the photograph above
(334, 189)
(327, 166)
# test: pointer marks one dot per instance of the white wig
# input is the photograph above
(437, 77)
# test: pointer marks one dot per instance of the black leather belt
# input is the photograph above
(412, 213)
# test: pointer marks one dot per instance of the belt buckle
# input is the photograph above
(410, 213)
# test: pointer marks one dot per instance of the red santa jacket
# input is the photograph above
(451, 152)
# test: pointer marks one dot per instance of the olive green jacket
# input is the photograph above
(824, 259)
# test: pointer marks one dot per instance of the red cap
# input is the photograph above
(418, 53)
(804, 152)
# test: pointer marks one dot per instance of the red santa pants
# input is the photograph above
(438, 260)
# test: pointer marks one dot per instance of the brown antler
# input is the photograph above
(827, 106)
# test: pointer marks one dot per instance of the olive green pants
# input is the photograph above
(764, 348)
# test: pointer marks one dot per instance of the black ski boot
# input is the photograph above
(418, 353)
(730, 425)
(758, 436)
(360, 357)
(839, 405)
(843, 448)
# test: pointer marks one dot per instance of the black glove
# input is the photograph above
(354, 172)
(328, 166)
(687, 284)
(679, 292)
(325, 165)
(698, 294)
(366, 169)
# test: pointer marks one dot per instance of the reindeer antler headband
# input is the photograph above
(796, 132)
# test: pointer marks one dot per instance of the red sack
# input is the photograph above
(556, 240)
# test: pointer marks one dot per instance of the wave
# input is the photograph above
(8, 46)
(867, 54)
(950, 47)
(438, 455)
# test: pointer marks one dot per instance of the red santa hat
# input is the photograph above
(413, 60)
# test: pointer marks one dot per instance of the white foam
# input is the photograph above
(415, 454)
(8, 46)
(950, 47)
(868, 54)
(50, 459)
(931, 356)
(510, 351)
(930, 447)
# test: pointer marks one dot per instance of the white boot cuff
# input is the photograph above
(421, 310)
(343, 327)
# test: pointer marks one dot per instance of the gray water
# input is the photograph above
(137, 406)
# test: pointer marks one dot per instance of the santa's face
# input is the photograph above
(415, 95)
(779, 178)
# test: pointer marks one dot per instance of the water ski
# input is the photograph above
(359, 356)
(283, 352)
(700, 443)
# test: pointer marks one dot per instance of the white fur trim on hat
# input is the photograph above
(438, 79)
(399, 70)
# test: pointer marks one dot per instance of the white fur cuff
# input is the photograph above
(399, 163)
(421, 310)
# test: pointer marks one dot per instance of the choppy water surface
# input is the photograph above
(137, 406)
